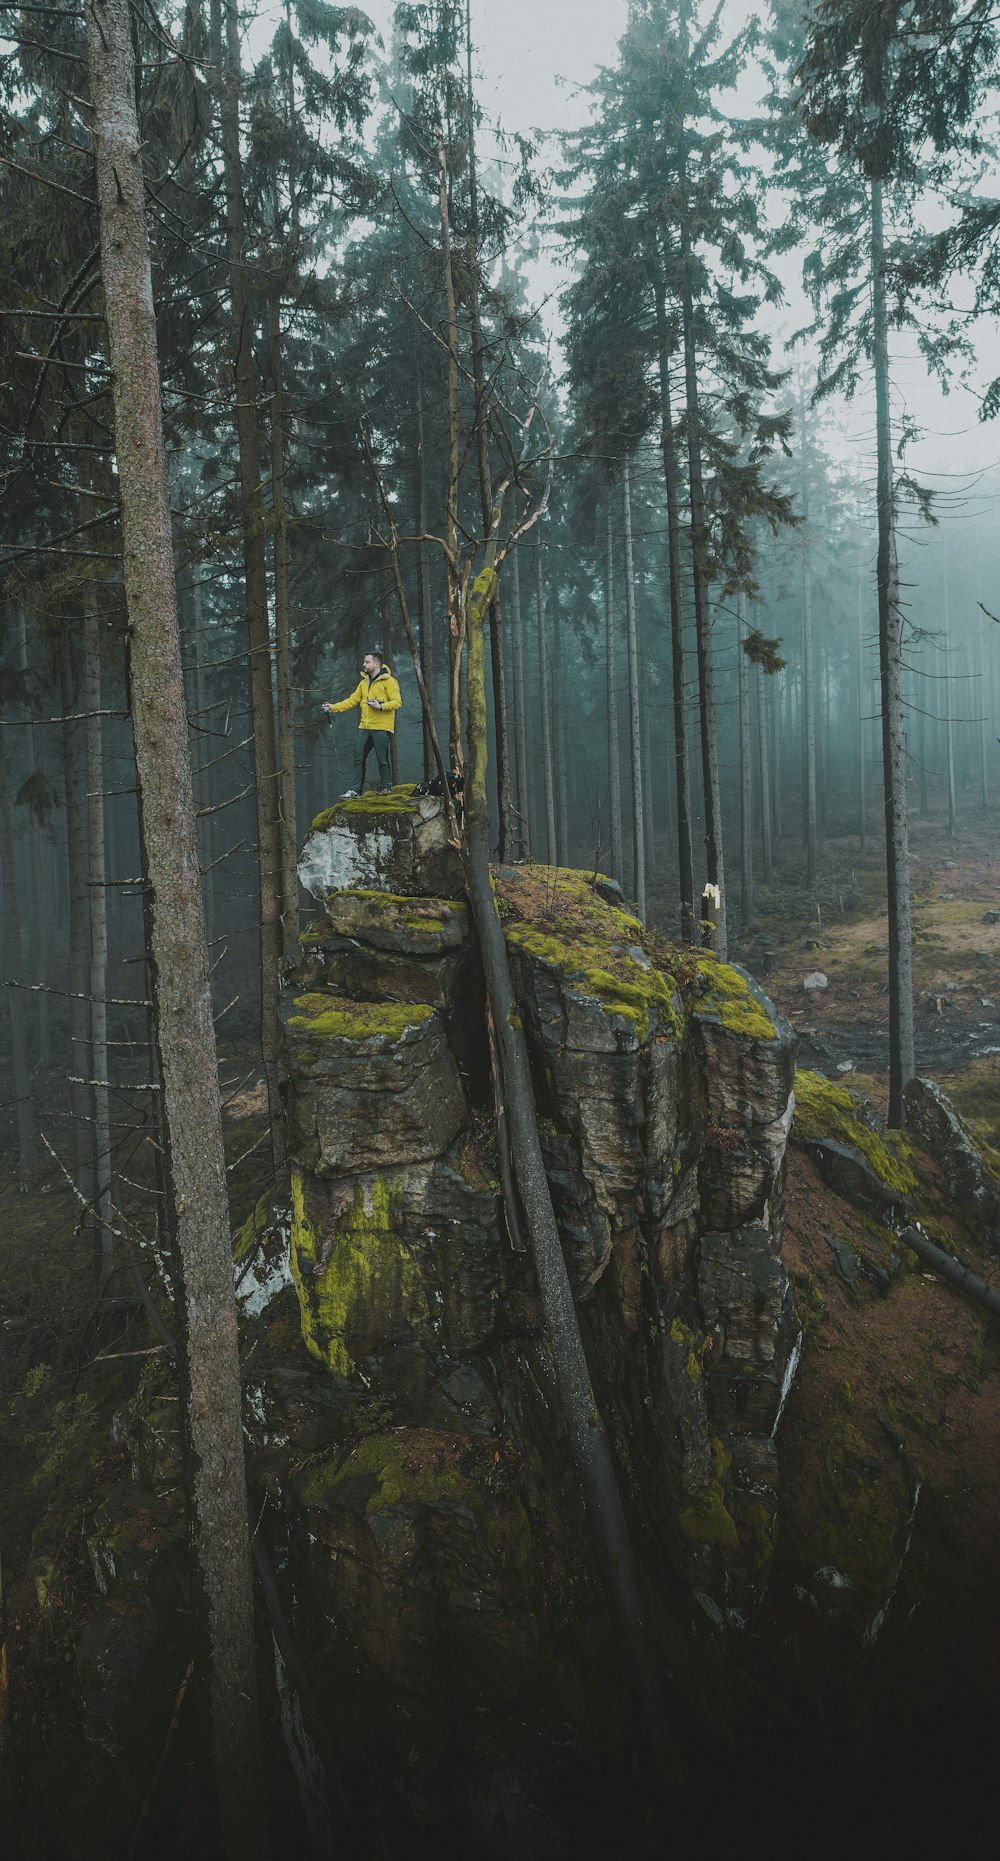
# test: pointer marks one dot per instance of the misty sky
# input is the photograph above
(533, 61)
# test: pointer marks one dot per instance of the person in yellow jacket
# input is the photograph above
(379, 696)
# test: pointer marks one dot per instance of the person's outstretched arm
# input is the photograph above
(346, 704)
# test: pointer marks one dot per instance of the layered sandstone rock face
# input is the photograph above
(408, 1419)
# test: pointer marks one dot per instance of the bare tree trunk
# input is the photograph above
(79, 918)
(587, 1437)
(39, 921)
(808, 669)
(181, 993)
(456, 618)
(949, 718)
(255, 568)
(702, 613)
(614, 766)
(559, 737)
(520, 739)
(890, 631)
(27, 1155)
(98, 966)
(862, 769)
(765, 778)
(504, 824)
(746, 767)
(546, 719)
(671, 479)
(635, 741)
(424, 606)
(283, 643)
(980, 688)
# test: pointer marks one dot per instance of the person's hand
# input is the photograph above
(376, 704)
(328, 707)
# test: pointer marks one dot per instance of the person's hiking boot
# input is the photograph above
(349, 794)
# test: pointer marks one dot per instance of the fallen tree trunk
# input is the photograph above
(947, 1268)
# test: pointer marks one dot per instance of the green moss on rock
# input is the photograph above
(335, 1017)
(354, 1285)
(823, 1109)
(708, 1520)
(643, 997)
(728, 997)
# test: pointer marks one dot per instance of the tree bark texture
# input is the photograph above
(424, 604)
(862, 771)
(671, 480)
(255, 571)
(890, 639)
(635, 739)
(456, 619)
(614, 752)
(284, 648)
(544, 700)
(98, 965)
(520, 740)
(18, 1000)
(808, 682)
(587, 1438)
(767, 866)
(181, 993)
(702, 610)
(746, 767)
(79, 906)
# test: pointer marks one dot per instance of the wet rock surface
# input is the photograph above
(439, 1506)
(937, 1126)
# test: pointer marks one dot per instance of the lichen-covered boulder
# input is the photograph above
(368, 1080)
(940, 1131)
(397, 1273)
(400, 842)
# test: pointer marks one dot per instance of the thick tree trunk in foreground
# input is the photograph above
(588, 1441)
(183, 1005)
(890, 642)
(255, 571)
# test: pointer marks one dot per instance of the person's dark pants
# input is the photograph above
(379, 741)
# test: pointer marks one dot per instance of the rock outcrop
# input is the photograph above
(411, 1433)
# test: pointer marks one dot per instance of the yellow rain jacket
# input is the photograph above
(384, 687)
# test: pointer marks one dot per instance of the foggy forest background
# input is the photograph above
(710, 493)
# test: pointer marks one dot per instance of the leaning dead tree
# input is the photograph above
(185, 1034)
(524, 1183)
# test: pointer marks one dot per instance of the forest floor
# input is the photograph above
(840, 930)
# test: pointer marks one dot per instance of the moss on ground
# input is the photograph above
(823, 1109)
